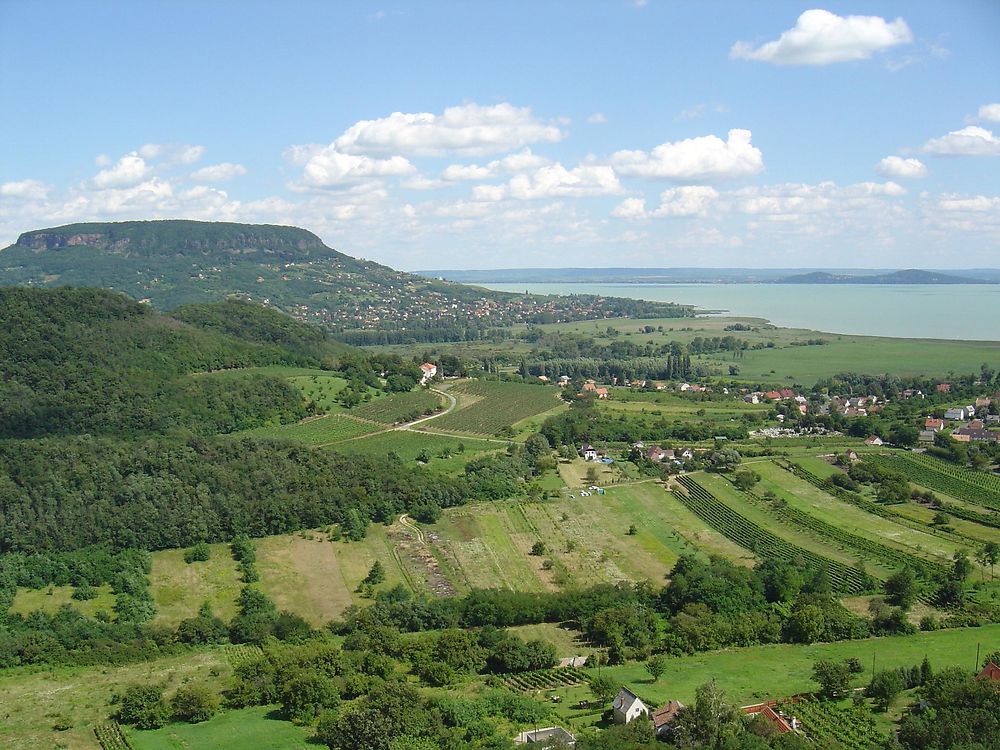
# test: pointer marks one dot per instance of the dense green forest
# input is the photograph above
(87, 360)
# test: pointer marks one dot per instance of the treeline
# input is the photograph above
(68, 493)
(90, 360)
(708, 604)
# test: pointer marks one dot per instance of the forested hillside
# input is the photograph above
(89, 360)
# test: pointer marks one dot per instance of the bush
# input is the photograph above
(198, 553)
(194, 703)
(143, 707)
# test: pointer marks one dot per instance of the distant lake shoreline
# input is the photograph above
(969, 312)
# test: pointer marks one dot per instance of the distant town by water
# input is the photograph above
(968, 312)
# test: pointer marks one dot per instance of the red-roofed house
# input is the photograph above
(763, 709)
(874, 440)
(664, 716)
(990, 672)
(931, 423)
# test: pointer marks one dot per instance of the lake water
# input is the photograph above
(959, 311)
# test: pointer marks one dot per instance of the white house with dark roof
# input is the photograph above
(627, 707)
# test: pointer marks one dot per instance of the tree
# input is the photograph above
(198, 553)
(591, 474)
(604, 687)
(376, 574)
(707, 721)
(194, 703)
(538, 548)
(961, 567)
(745, 479)
(632, 530)
(143, 707)
(656, 665)
(306, 694)
(885, 686)
(806, 624)
(833, 677)
(901, 588)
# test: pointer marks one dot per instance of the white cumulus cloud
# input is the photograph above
(329, 167)
(969, 141)
(468, 129)
(219, 172)
(554, 181)
(990, 112)
(820, 37)
(27, 190)
(896, 166)
(705, 159)
(130, 170)
(597, 118)
(689, 200)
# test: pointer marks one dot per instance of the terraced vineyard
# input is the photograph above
(240, 653)
(889, 556)
(110, 736)
(495, 406)
(837, 724)
(398, 407)
(978, 487)
(746, 533)
(546, 679)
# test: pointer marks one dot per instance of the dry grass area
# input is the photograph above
(53, 597)
(31, 703)
(179, 588)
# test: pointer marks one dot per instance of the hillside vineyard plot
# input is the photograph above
(756, 539)
(324, 430)
(398, 407)
(495, 406)
(976, 487)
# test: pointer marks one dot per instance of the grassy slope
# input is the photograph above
(51, 598)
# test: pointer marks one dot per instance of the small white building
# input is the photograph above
(546, 736)
(429, 370)
(627, 707)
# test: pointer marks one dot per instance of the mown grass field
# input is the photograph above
(32, 701)
(486, 407)
(179, 588)
(257, 728)
(749, 675)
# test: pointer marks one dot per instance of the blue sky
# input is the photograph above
(483, 135)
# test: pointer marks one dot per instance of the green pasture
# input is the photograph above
(758, 673)
(258, 727)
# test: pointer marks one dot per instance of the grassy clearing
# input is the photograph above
(322, 390)
(319, 431)
(974, 532)
(758, 673)
(30, 702)
(258, 728)
(826, 507)
(179, 589)
(575, 473)
(568, 642)
(487, 407)
(52, 598)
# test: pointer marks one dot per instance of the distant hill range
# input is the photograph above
(714, 276)
(909, 276)
(176, 262)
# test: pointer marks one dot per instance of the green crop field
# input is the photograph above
(319, 431)
(398, 407)
(448, 454)
(245, 728)
(487, 407)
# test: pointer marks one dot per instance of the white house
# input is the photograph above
(546, 736)
(589, 452)
(429, 370)
(956, 415)
(627, 707)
